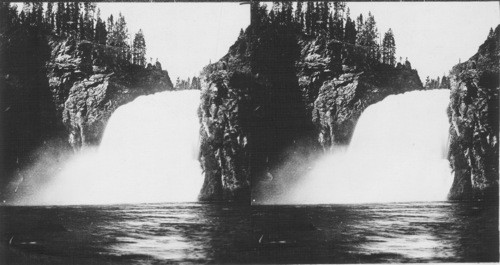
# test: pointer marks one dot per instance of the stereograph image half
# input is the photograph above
(249, 132)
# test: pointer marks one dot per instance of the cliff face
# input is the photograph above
(473, 113)
(264, 113)
(62, 92)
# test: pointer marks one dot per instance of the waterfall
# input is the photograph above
(148, 153)
(398, 152)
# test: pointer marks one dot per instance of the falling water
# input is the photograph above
(397, 153)
(148, 154)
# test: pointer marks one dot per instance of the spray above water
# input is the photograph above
(149, 153)
(398, 152)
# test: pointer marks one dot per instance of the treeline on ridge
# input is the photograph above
(347, 41)
(186, 84)
(77, 20)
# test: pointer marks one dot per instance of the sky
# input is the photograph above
(183, 36)
(433, 35)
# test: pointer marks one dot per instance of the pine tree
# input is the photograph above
(100, 30)
(75, 18)
(49, 16)
(139, 49)
(121, 32)
(298, 14)
(325, 15)
(89, 9)
(27, 14)
(316, 18)
(367, 35)
(445, 82)
(350, 29)
(59, 17)
(275, 15)
(272, 17)
(331, 26)
(372, 35)
(81, 27)
(491, 34)
(287, 11)
(177, 83)
(22, 17)
(195, 83)
(111, 31)
(309, 17)
(349, 37)
(67, 19)
(427, 82)
(38, 13)
(389, 48)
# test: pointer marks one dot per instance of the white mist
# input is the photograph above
(398, 153)
(149, 153)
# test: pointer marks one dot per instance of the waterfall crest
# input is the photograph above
(149, 153)
(398, 152)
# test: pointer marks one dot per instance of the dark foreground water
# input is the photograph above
(221, 233)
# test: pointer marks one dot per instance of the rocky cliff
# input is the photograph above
(473, 113)
(59, 91)
(225, 156)
(264, 113)
(225, 112)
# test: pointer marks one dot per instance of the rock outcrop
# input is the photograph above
(341, 101)
(225, 152)
(89, 81)
(473, 113)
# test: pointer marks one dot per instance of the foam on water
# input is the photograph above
(149, 153)
(398, 152)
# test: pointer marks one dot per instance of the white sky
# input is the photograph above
(433, 35)
(183, 36)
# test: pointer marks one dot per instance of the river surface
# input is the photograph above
(230, 233)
